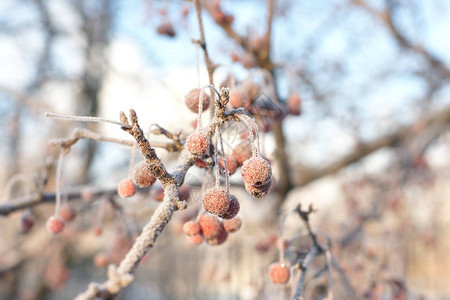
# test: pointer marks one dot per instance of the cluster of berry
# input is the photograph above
(211, 229)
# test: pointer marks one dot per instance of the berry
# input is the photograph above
(232, 210)
(209, 226)
(191, 228)
(216, 201)
(220, 238)
(242, 152)
(197, 143)
(256, 171)
(101, 260)
(259, 191)
(192, 98)
(98, 230)
(294, 104)
(126, 188)
(166, 29)
(200, 163)
(67, 213)
(157, 193)
(279, 273)
(231, 164)
(195, 239)
(237, 98)
(252, 90)
(232, 225)
(141, 176)
(55, 225)
(184, 192)
(27, 221)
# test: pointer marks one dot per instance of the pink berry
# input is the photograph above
(200, 163)
(197, 143)
(166, 29)
(55, 225)
(279, 273)
(259, 191)
(195, 239)
(141, 176)
(232, 225)
(294, 104)
(98, 230)
(218, 239)
(231, 164)
(192, 98)
(191, 228)
(237, 98)
(126, 188)
(256, 171)
(67, 213)
(233, 209)
(242, 152)
(101, 260)
(209, 226)
(157, 193)
(184, 192)
(216, 201)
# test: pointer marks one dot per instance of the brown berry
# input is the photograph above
(233, 208)
(242, 152)
(237, 98)
(195, 239)
(166, 29)
(294, 104)
(55, 225)
(141, 176)
(192, 98)
(200, 163)
(216, 201)
(218, 239)
(184, 192)
(279, 273)
(126, 188)
(256, 171)
(27, 221)
(259, 191)
(67, 213)
(191, 228)
(197, 143)
(209, 226)
(231, 164)
(232, 225)
(157, 193)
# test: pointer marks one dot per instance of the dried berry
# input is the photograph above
(67, 213)
(242, 152)
(192, 98)
(209, 226)
(233, 209)
(197, 143)
(166, 29)
(191, 228)
(55, 225)
(279, 273)
(216, 201)
(256, 171)
(232, 225)
(237, 98)
(141, 176)
(232, 164)
(195, 239)
(294, 104)
(259, 191)
(126, 188)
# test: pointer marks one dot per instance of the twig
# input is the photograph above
(300, 285)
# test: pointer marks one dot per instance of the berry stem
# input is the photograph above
(216, 159)
(132, 155)
(227, 173)
(258, 136)
(81, 118)
(58, 182)
(250, 135)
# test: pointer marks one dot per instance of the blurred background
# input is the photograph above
(368, 143)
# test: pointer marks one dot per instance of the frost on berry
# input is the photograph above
(191, 228)
(294, 104)
(67, 213)
(141, 176)
(233, 208)
(209, 226)
(219, 238)
(192, 98)
(195, 239)
(216, 201)
(242, 152)
(197, 143)
(231, 164)
(237, 98)
(279, 273)
(101, 260)
(126, 188)
(55, 225)
(259, 191)
(232, 225)
(256, 171)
